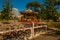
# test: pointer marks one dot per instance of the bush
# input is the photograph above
(57, 32)
(50, 25)
(54, 24)
(57, 25)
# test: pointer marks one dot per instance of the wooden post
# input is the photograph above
(32, 30)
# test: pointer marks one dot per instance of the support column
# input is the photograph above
(32, 31)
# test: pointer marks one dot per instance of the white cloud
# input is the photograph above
(15, 11)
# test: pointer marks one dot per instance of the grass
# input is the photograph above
(54, 24)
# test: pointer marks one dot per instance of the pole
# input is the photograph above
(32, 30)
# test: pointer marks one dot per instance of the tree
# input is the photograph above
(46, 11)
(35, 6)
(6, 10)
(51, 11)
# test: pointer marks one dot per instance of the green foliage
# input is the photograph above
(51, 11)
(50, 25)
(6, 11)
(57, 24)
(47, 10)
(57, 32)
(35, 6)
(54, 24)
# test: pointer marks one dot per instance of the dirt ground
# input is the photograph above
(45, 37)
